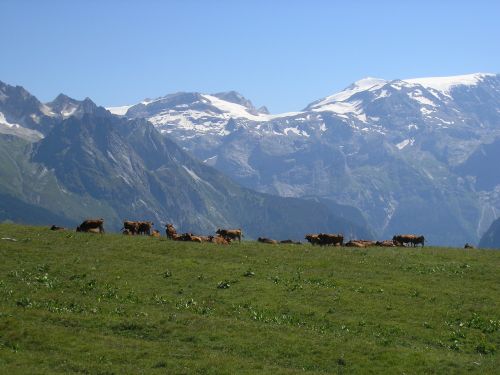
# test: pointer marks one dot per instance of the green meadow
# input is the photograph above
(111, 304)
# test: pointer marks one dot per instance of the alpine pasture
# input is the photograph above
(112, 304)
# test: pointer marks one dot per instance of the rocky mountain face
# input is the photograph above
(491, 239)
(413, 155)
(86, 162)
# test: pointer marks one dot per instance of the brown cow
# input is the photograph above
(131, 226)
(313, 239)
(91, 225)
(55, 227)
(155, 233)
(145, 227)
(267, 240)
(331, 239)
(360, 243)
(469, 246)
(127, 232)
(170, 231)
(230, 234)
(219, 240)
(410, 239)
(189, 237)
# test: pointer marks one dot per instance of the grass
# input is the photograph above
(110, 304)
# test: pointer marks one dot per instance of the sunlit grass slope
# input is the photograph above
(110, 304)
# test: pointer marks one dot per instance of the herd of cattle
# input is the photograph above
(225, 236)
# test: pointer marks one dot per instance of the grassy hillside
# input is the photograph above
(91, 304)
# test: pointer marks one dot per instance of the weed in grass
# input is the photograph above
(223, 285)
(167, 274)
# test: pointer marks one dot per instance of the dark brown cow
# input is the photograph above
(230, 234)
(331, 239)
(127, 232)
(170, 231)
(55, 227)
(410, 239)
(313, 239)
(469, 246)
(418, 240)
(267, 240)
(145, 227)
(91, 225)
(131, 226)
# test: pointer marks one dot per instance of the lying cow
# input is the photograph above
(291, 242)
(469, 246)
(230, 234)
(155, 233)
(385, 243)
(219, 240)
(267, 240)
(56, 228)
(189, 237)
(360, 243)
(91, 225)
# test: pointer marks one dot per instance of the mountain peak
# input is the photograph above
(446, 84)
(236, 98)
(368, 82)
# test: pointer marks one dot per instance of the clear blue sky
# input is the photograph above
(283, 54)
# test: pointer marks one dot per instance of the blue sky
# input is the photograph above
(282, 54)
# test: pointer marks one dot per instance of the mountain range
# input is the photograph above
(413, 155)
(66, 160)
(378, 158)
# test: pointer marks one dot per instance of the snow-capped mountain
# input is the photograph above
(392, 148)
(86, 162)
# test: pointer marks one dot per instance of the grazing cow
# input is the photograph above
(155, 233)
(170, 231)
(91, 225)
(230, 234)
(267, 240)
(469, 246)
(127, 232)
(55, 227)
(418, 240)
(331, 239)
(131, 226)
(410, 239)
(313, 239)
(145, 227)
